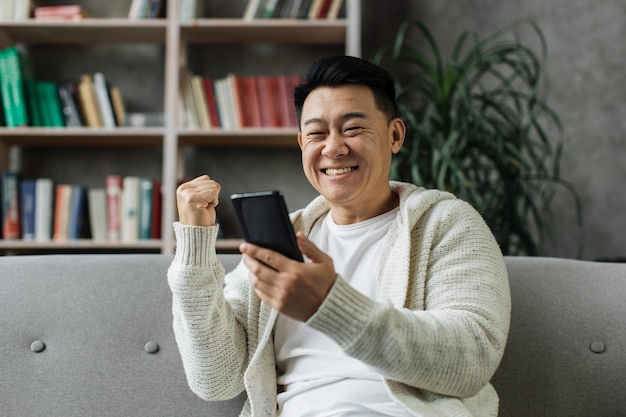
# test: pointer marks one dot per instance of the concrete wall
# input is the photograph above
(586, 61)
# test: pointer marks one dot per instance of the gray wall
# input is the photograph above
(586, 61)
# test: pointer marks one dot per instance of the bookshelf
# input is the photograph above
(177, 38)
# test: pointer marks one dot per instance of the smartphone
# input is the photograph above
(264, 221)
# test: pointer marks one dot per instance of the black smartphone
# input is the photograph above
(264, 221)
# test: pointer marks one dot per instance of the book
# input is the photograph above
(130, 209)
(76, 221)
(96, 201)
(62, 204)
(333, 11)
(190, 111)
(156, 210)
(21, 9)
(44, 203)
(146, 190)
(69, 105)
(119, 111)
(200, 102)
(209, 92)
(27, 208)
(60, 12)
(10, 209)
(11, 88)
(190, 9)
(89, 102)
(114, 206)
(324, 6)
(104, 104)
(50, 102)
(252, 9)
(135, 9)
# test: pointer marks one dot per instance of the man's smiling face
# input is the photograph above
(346, 144)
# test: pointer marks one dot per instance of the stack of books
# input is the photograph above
(236, 102)
(293, 9)
(92, 101)
(124, 209)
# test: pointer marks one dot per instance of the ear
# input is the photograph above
(398, 132)
(300, 140)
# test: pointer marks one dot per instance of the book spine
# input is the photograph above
(102, 96)
(89, 102)
(113, 212)
(44, 203)
(97, 213)
(62, 203)
(130, 209)
(156, 210)
(146, 189)
(69, 105)
(10, 213)
(76, 218)
(27, 208)
(16, 90)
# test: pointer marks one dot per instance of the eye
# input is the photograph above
(353, 130)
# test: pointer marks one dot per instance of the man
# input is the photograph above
(402, 307)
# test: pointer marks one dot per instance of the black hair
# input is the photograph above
(340, 70)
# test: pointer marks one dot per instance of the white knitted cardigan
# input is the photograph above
(437, 338)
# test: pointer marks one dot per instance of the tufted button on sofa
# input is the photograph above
(91, 335)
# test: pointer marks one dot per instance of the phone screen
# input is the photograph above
(264, 221)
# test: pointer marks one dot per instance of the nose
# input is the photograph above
(335, 145)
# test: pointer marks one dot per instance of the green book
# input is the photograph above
(16, 88)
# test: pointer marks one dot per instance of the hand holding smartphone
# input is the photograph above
(264, 221)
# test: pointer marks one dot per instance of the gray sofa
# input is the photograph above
(90, 335)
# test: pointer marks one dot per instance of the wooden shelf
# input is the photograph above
(290, 31)
(85, 31)
(82, 137)
(250, 137)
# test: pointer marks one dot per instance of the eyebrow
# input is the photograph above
(344, 117)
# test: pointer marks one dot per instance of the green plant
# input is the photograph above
(477, 126)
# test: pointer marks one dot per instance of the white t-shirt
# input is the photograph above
(319, 379)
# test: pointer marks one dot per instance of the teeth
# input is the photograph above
(334, 171)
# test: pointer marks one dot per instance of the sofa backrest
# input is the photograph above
(92, 335)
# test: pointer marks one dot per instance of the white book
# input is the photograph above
(251, 9)
(43, 209)
(102, 95)
(190, 9)
(6, 10)
(21, 9)
(130, 208)
(97, 213)
(135, 9)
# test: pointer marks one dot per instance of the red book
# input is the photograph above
(263, 97)
(273, 100)
(252, 99)
(114, 206)
(156, 210)
(323, 10)
(284, 100)
(62, 207)
(209, 91)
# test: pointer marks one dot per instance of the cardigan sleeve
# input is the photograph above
(449, 337)
(210, 339)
